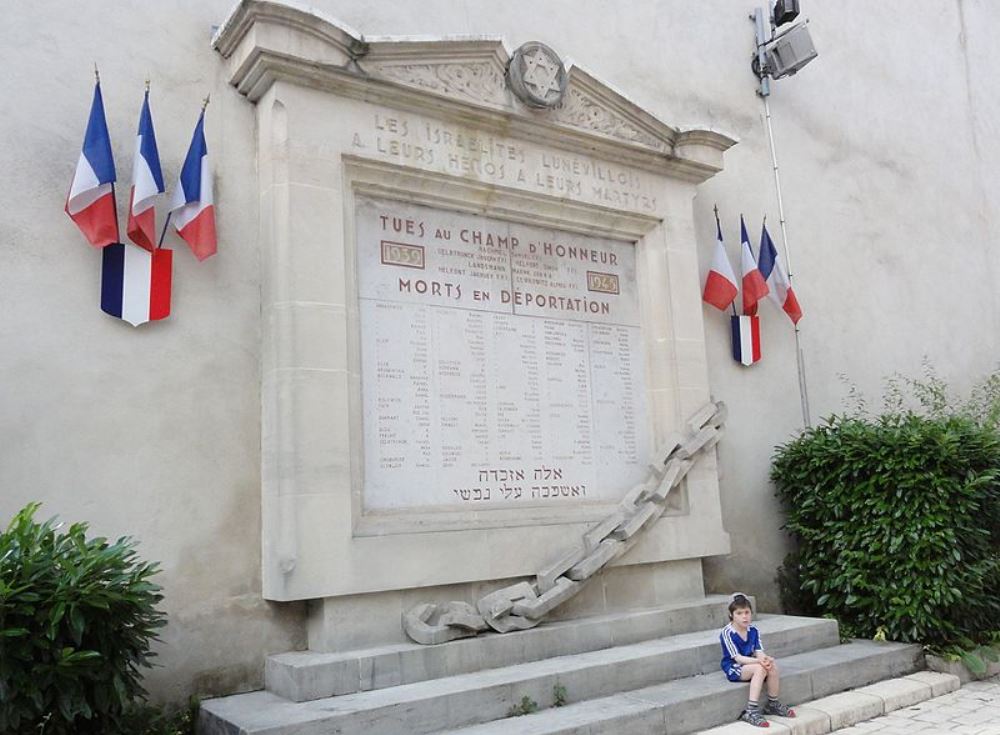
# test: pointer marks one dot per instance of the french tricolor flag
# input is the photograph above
(135, 283)
(746, 339)
(779, 285)
(147, 183)
(91, 199)
(754, 287)
(192, 208)
(720, 286)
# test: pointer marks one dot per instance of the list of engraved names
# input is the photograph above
(502, 364)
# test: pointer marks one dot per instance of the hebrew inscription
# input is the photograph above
(502, 364)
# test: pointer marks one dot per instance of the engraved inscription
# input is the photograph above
(414, 141)
(602, 282)
(496, 374)
(398, 253)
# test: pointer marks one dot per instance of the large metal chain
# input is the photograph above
(525, 604)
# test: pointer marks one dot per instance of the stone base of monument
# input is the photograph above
(644, 671)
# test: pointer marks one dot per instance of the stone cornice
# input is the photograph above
(265, 41)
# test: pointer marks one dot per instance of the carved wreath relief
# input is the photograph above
(537, 76)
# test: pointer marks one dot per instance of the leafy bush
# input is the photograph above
(897, 520)
(149, 719)
(77, 617)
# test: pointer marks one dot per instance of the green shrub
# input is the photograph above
(77, 617)
(150, 719)
(897, 521)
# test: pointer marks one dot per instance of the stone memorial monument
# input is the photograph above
(481, 321)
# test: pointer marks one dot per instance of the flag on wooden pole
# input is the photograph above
(192, 207)
(91, 199)
(754, 287)
(779, 285)
(720, 285)
(147, 182)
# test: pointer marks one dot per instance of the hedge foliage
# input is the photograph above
(897, 519)
(77, 618)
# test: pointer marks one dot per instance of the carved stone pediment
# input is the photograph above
(593, 106)
(470, 70)
(265, 40)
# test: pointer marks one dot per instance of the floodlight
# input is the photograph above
(789, 52)
(785, 11)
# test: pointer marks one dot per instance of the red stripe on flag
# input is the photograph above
(141, 228)
(97, 222)
(719, 290)
(754, 289)
(199, 233)
(791, 307)
(159, 284)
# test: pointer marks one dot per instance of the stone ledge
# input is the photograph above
(806, 721)
(959, 669)
(938, 682)
(849, 707)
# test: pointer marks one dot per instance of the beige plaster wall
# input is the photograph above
(889, 159)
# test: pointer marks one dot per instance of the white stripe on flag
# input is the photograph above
(136, 279)
(143, 181)
(746, 341)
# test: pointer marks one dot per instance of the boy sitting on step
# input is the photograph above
(743, 659)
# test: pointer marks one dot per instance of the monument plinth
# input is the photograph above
(481, 318)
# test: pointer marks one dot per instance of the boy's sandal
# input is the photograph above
(779, 709)
(754, 717)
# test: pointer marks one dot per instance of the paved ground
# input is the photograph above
(972, 710)
(922, 703)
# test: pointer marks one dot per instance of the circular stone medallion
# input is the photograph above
(537, 76)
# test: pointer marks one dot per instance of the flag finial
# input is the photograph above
(97, 74)
(716, 208)
(208, 98)
(147, 83)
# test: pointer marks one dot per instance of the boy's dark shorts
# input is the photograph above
(734, 673)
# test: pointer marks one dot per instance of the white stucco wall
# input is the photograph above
(889, 159)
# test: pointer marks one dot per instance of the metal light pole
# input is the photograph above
(765, 38)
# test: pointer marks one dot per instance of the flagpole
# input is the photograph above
(166, 222)
(718, 225)
(163, 232)
(803, 391)
(114, 193)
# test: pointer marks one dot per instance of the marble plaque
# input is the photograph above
(502, 364)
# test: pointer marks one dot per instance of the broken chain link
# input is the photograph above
(525, 604)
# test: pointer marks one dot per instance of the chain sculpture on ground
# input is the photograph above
(525, 604)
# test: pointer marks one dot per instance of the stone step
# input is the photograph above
(453, 701)
(690, 705)
(306, 675)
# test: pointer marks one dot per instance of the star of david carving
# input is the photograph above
(540, 73)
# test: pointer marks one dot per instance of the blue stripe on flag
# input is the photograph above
(147, 148)
(112, 279)
(734, 322)
(97, 141)
(191, 172)
(768, 254)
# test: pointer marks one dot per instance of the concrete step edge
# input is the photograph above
(692, 705)
(313, 682)
(837, 711)
(306, 675)
(468, 699)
